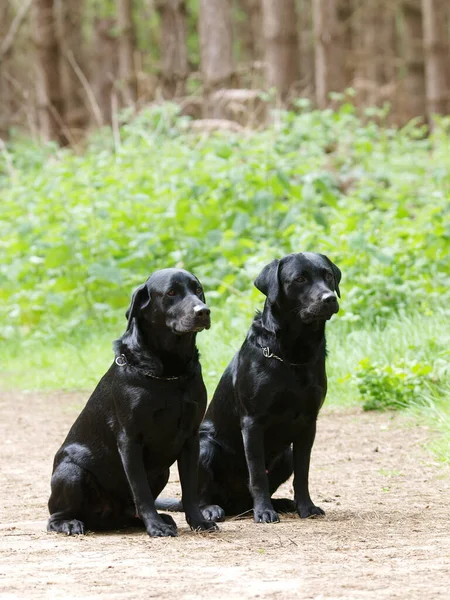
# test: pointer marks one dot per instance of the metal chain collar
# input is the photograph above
(268, 354)
(121, 361)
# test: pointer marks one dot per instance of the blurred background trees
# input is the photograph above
(68, 66)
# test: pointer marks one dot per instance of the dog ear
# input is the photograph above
(267, 281)
(139, 300)
(337, 274)
(202, 297)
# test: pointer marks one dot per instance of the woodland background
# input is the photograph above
(69, 66)
(215, 136)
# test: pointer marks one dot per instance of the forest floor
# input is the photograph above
(386, 533)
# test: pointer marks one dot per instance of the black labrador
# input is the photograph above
(261, 423)
(143, 416)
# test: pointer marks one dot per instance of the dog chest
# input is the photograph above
(166, 419)
(292, 407)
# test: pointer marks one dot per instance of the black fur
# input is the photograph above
(143, 416)
(261, 423)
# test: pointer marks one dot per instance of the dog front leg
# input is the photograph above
(188, 470)
(252, 435)
(302, 455)
(133, 464)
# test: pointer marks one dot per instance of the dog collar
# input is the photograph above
(268, 354)
(121, 361)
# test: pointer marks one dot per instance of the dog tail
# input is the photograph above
(171, 504)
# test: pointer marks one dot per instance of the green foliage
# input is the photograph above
(77, 233)
(393, 386)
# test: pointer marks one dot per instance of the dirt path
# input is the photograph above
(386, 533)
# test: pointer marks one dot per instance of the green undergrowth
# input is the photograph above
(79, 231)
(405, 348)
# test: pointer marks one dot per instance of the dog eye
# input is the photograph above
(171, 293)
(199, 291)
(300, 279)
(328, 275)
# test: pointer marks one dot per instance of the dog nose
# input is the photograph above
(329, 298)
(201, 311)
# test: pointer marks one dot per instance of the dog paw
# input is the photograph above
(305, 512)
(213, 512)
(162, 529)
(168, 520)
(73, 527)
(208, 526)
(265, 515)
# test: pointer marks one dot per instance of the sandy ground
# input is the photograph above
(386, 533)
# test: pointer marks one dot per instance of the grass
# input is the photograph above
(79, 232)
(77, 364)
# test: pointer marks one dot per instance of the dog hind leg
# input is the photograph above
(67, 499)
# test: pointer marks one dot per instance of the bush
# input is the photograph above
(397, 386)
(77, 233)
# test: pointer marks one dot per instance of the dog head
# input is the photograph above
(305, 284)
(171, 298)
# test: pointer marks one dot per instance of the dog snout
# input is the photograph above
(329, 299)
(202, 311)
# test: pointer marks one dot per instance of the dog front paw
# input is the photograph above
(201, 525)
(162, 529)
(168, 520)
(265, 515)
(213, 512)
(309, 510)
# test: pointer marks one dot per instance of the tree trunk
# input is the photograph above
(127, 47)
(375, 52)
(379, 37)
(251, 30)
(71, 41)
(436, 56)
(306, 35)
(216, 47)
(49, 88)
(414, 105)
(345, 10)
(106, 68)
(328, 50)
(5, 87)
(282, 47)
(173, 47)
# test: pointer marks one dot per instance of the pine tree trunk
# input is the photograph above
(345, 10)
(70, 16)
(251, 30)
(216, 48)
(49, 88)
(328, 50)
(127, 47)
(379, 39)
(436, 56)
(5, 87)
(372, 24)
(282, 46)
(414, 105)
(105, 68)
(306, 35)
(375, 52)
(173, 47)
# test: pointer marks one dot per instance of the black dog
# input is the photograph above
(269, 397)
(143, 415)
